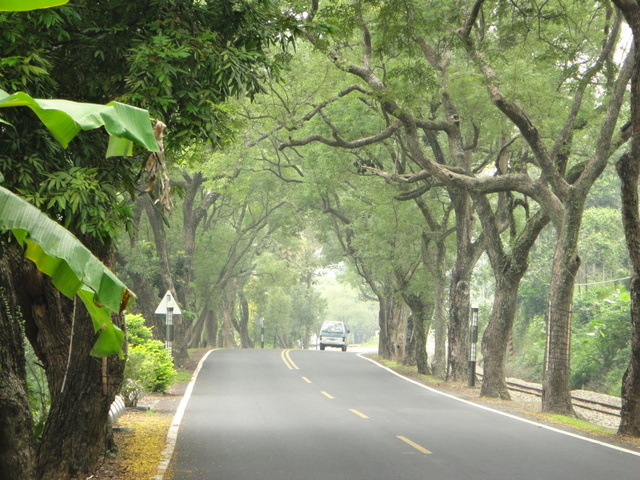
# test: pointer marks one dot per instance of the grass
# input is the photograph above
(182, 376)
(579, 424)
(406, 370)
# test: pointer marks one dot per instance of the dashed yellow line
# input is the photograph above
(286, 358)
(306, 380)
(327, 395)
(413, 444)
(360, 414)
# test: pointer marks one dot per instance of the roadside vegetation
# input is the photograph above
(393, 165)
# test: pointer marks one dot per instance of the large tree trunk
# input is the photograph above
(82, 387)
(180, 353)
(421, 311)
(192, 216)
(146, 301)
(628, 168)
(226, 335)
(508, 270)
(392, 332)
(496, 337)
(460, 293)
(556, 391)
(211, 329)
(243, 327)
(17, 449)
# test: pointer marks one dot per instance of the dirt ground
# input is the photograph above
(141, 434)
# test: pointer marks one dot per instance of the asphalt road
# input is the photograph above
(305, 415)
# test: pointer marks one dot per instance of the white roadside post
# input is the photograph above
(168, 307)
(473, 340)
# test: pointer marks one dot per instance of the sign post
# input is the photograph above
(473, 340)
(168, 307)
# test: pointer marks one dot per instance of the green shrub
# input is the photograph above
(149, 365)
(157, 365)
(137, 331)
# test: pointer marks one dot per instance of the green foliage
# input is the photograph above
(65, 119)
(154, 365)
(39, 397)
(601, 340)
(149, 365)
(23, 5)
(71, 266)
(137, 332)
(529, 347)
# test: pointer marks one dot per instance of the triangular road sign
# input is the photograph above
(168, 302)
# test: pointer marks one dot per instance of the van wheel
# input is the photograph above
(321, 347)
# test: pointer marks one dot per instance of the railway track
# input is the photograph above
(579, 402)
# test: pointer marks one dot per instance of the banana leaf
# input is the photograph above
(72, 267)
(65, 119)
(24, 5)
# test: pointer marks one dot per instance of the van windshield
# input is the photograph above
(334, 327)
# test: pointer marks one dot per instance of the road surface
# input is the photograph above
(306, 415)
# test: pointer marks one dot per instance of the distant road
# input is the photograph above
(306, 415)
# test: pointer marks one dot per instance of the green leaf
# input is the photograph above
(111, 338)
(25, 5)
(72, 267)
(65, 119)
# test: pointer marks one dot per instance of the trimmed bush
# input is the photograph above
(149, 365)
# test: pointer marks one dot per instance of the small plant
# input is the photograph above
(149, 365)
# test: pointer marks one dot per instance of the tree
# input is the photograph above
(628, 167)
(563, 183)
(74, 271)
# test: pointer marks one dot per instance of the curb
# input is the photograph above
(117, 409)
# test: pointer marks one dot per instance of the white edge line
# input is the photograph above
(172, 434)
(508, 415)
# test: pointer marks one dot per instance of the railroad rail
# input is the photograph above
(588, 404)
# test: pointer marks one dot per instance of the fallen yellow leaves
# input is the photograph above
(141, 450)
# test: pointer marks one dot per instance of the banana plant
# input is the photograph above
(24, 5)
(55, 251)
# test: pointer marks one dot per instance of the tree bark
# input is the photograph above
(628, 168)
(391, 314)
(467, 254)
(496, 337)
(508, 269)
(421, 312)
(146, 300)
(243, 330)
(17, 448)
(180, 354)
(556, 391)
(82, 388)
(226, 335)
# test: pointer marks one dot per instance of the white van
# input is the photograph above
(333, 334)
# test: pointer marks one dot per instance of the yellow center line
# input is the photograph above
(360, 414)
(283, 356)
(413, 444)
(286, 358)
(306, 379)
(327, 395)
